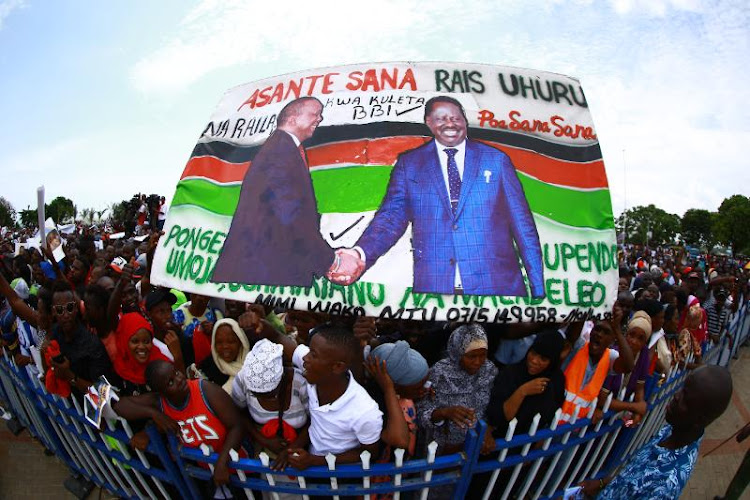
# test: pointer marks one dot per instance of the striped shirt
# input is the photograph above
(717, 320)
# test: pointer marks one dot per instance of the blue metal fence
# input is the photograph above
(539, 464)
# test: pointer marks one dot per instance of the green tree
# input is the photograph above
(28, 217)
(641, 220)
(61, 209)
(7, 213)
(697, 227)
(118, 213)
(87, 215)
(732, 225)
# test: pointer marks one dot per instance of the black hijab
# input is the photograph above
(548, 343)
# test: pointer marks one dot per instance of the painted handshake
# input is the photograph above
(347, 267)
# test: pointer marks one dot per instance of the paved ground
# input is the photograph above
(25, 472)
(713, 473)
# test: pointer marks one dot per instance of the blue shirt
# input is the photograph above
(654, 472)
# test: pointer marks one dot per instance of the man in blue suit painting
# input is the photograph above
(471, 224)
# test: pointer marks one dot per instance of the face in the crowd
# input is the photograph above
(77, 272)
(447, 124)
(646, 280)
(172, 384)
(473, 360)
(161, 316)
(96, 273)
(227, 344)
(302, 321)
(654, 290)
(536, 363)
(636, 338)
(269, 396)
(38, 274)
(65, 310)
(600, 339)
(308, 119)
(140, 345)
(129, 301)
(414, 391)
(128, 252)
(319, 363)
(671, 325)
(109, 253)
(234, 308)
(199, 302)
(92, 313)
(678, 413)
(627, 307)
(693, 284)
(657, 321)
(623, 285)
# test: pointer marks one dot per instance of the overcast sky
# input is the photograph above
(104, 99)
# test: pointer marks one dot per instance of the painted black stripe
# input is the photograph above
(326, 135)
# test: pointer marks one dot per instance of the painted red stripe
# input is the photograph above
(214, 168)
(385, 151)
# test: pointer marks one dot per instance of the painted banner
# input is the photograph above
(429, 191)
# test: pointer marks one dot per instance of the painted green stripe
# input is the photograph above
(350, 189)
(568, 206)
(221, 200)
(361, 188)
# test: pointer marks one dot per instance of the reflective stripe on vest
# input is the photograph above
(585, 397)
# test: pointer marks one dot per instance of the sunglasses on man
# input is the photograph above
(60, 309)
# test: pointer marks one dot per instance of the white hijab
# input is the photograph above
(234, 367)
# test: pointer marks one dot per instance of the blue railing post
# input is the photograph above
(160, 448)
(472, 447)
(192, 489)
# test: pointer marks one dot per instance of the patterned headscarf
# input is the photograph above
(263, 367)
(464, 339)
(455, 387)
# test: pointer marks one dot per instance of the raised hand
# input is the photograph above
(347, 267)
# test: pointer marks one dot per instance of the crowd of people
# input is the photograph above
(299, 385)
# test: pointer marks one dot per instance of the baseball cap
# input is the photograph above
(159, 295)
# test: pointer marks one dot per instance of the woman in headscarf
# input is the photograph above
(462, 384)
(534, 385)
(276, 398)
(637, 336)
(699, 331)
(681, 342)
(229, 346)
(135, 350)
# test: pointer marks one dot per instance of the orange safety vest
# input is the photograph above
(574, 395)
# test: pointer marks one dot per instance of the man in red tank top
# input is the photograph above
(198, 411)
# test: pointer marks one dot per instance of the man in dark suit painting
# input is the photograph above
(471, 223)
(275, 235)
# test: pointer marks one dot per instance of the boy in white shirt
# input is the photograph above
(344, 419)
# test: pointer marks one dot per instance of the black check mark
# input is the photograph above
(342, 233)
(399, 113)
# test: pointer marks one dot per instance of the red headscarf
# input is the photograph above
(126, 365)
(701, 333)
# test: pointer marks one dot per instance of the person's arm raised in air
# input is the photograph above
(17, 305)
(626, 361)
(256, 328)
(396, 431)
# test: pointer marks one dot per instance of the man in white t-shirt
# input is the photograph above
(344, 419)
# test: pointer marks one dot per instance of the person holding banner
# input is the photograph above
(468, 214)
(275, 235)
